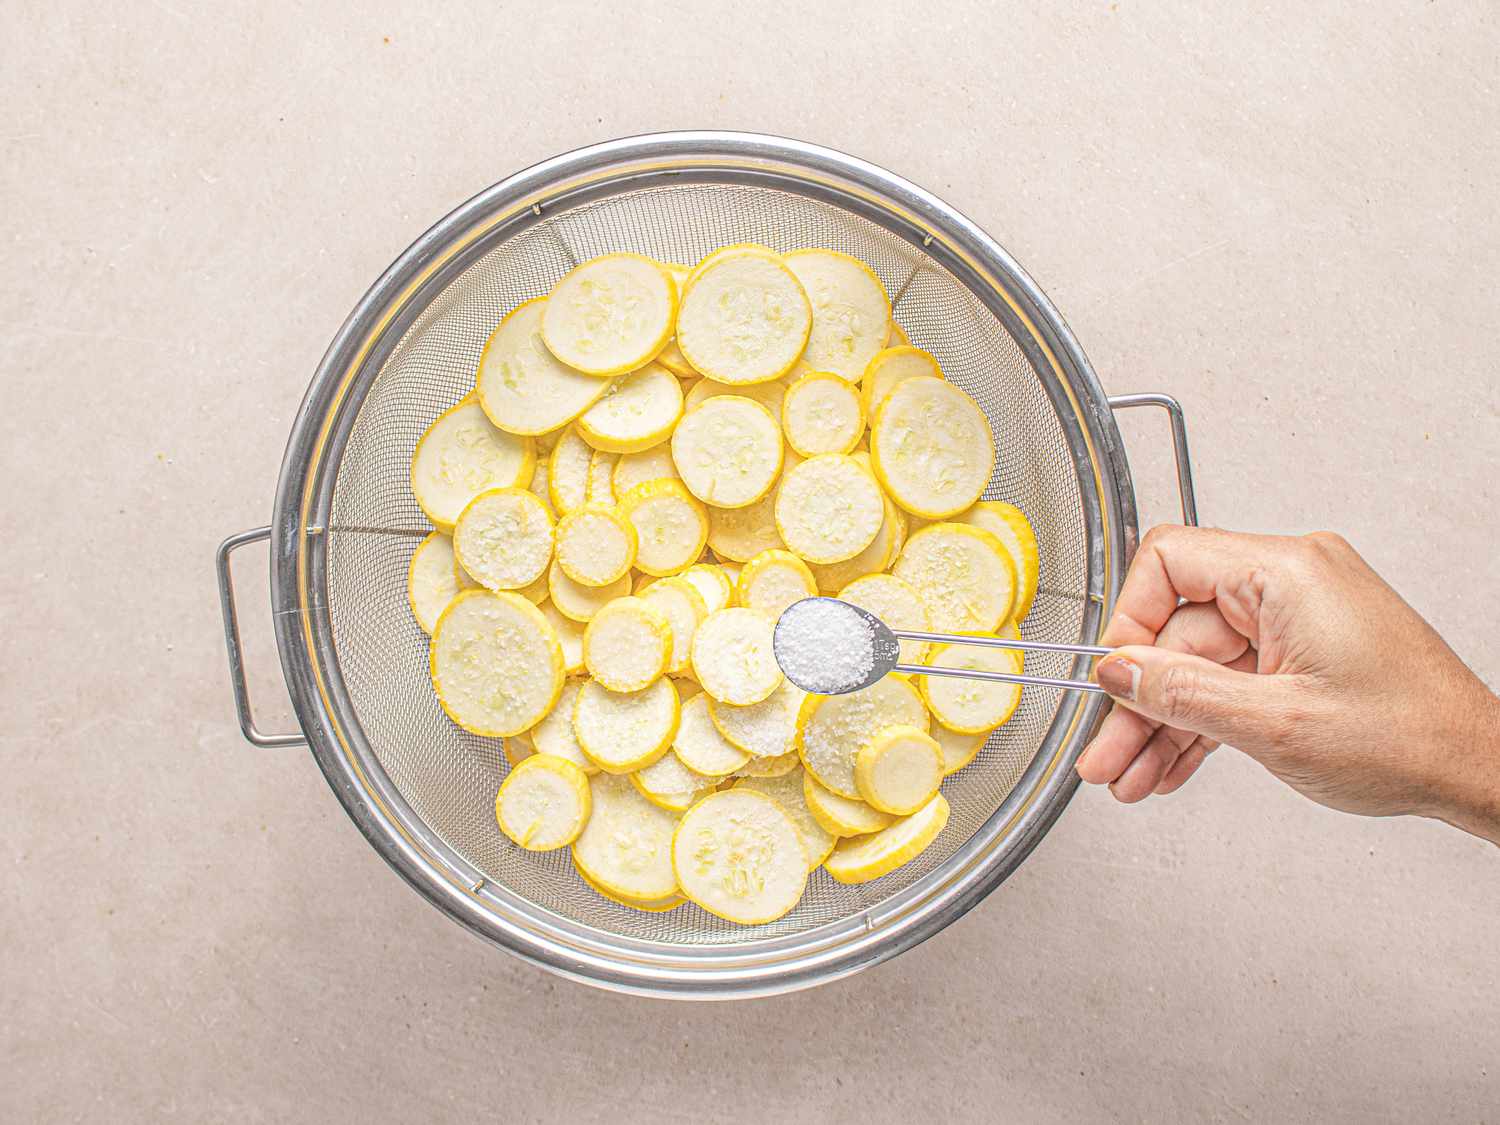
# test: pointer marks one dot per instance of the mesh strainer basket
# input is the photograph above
(345, 525)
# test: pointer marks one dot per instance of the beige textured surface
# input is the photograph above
(1286, 219)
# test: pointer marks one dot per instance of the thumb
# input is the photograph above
(1191, 693)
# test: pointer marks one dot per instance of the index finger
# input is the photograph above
(1196, 564)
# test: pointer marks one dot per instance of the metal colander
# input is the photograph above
(346, 524)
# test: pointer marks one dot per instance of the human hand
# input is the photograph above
(1295, 652)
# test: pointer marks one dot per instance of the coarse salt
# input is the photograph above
(825, 646)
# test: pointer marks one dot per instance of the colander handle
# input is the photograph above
(1179, 445)
(232, 642)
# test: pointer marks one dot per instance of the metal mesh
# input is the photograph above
(450, 777)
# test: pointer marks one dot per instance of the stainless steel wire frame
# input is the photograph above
(343, 530)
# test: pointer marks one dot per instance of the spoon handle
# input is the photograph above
(1002, 642)
(999, 677)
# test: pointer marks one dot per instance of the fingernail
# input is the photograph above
(1120, 677)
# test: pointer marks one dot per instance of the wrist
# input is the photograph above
(1471, 788)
